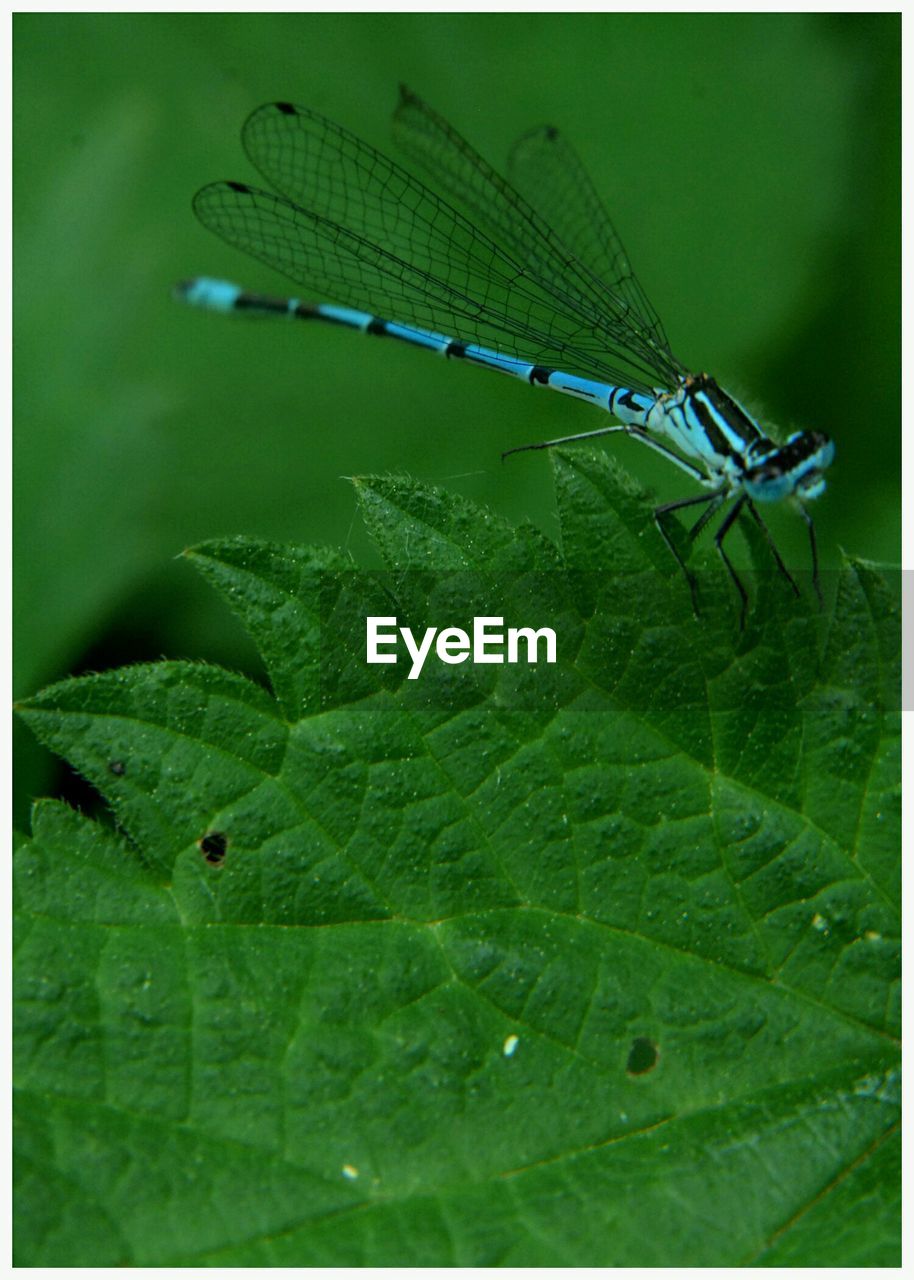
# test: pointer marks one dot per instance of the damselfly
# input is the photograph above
(531, 280)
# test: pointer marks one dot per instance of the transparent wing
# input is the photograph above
(357, 229)
(545, 168)
(549, 215)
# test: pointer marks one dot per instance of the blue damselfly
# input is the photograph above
(531, 280)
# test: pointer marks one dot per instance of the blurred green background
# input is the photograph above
(751, 163)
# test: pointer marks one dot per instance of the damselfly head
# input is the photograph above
(794, 468)
(820, 451)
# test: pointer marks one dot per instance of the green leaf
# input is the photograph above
(583, 964)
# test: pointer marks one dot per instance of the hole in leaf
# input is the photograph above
(213, 847)
(642, 1056)
(117, 767)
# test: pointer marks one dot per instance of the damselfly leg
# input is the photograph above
(714, 503)
(785, 572)
(814, 553)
